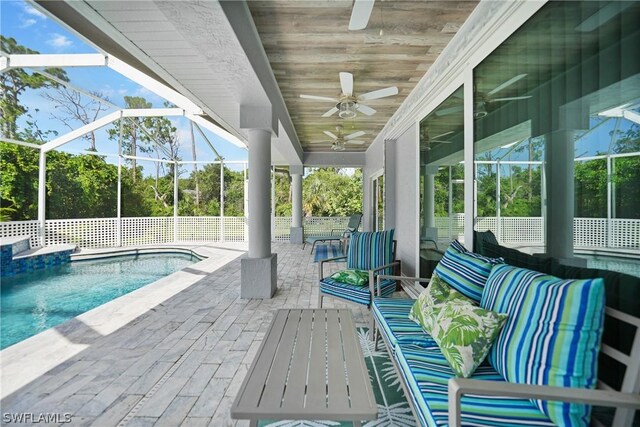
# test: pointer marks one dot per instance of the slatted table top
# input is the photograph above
(309, 366)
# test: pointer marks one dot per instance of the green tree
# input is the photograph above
(13, 84)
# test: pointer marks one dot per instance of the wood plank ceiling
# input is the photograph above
(308, 44)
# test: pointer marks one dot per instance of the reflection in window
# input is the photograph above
(557, 133)
(441, 180)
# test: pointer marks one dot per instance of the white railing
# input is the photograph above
(593, 233)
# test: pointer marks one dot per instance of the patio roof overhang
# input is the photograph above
(214, 54)
(192, 48)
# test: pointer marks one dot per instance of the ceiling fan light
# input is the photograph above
(338, 146)
(347, 110)
(480, 111)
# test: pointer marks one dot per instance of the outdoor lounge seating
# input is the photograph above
(336, 235)
(437, 397)
(373, 252)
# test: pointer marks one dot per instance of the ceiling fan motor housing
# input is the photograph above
(346, 108)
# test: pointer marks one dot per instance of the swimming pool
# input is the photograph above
(622, 265)
(33, 302)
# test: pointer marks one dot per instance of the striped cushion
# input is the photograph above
(552, 335)
(427, 373)
(465, 271)
(391, 315)
(370, 250)
(357, 294)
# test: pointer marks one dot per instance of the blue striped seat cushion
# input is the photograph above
(552, 335)
(357, 294)
(370, 250)
(427, 374)
(465, 271)
(392, 317)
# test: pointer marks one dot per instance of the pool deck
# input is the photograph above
(171, 353)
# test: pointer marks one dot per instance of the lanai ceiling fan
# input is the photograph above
(348, 103)
(339, 140)
(360, 14)
(428, 140)
(480, 109)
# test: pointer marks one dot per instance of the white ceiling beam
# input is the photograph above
(57, 60)
(153, 85)
(153, 112)
(83, 130)
(216, 130)
(18, 142)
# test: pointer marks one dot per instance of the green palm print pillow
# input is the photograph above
(438, 292)
(463, 331)
(352, 277)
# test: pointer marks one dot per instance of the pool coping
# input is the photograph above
(25, 361)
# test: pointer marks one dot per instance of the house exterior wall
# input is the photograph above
(406, 199)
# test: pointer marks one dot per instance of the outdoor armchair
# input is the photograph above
(337, 234)
(374, 252)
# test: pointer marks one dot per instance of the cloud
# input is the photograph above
(33, 11)
(24, 23)
(59, 41)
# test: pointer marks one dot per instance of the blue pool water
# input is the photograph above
(623, 265)
(31, 303)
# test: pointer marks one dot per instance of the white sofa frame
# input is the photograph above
(626, 400)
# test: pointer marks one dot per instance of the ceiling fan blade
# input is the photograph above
(507, 83)
(360, 14)
(510, 98)
(380, 93)
(346, 82)
(355, 141)
(319, 98)
(355, 135)
(440, 141)
(330, 112)
(448, 111)
(330, 135)
(320, 142)
(366, 110)
(441, 135)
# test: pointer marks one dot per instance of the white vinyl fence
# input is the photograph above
(591, 233)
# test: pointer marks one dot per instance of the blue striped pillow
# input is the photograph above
(370, 250)
(552, 335)
(465, 271)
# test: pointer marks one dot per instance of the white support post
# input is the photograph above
(609, 201)
(222, 231)
(245, 204)
(469, 166)
(42, 196)
(498, 203)
(119, 196)
(273, 203)
(259, 270)
(297, 231)
(450, 203)
(175, 201)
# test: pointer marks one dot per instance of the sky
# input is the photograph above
(35, 30)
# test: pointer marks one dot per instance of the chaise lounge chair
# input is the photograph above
(354, 223)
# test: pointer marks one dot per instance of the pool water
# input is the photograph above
(33, 302)
(629, 266)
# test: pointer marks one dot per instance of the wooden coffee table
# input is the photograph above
(309, 367)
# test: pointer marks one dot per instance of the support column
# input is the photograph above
(175, 201)
(559, 157)
(222, 230)
(430, 230)
(297, 231)
(42, 196)
(259, 269)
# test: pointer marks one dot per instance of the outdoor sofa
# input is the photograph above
(438, 397)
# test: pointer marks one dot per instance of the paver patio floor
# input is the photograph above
(179, 363)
